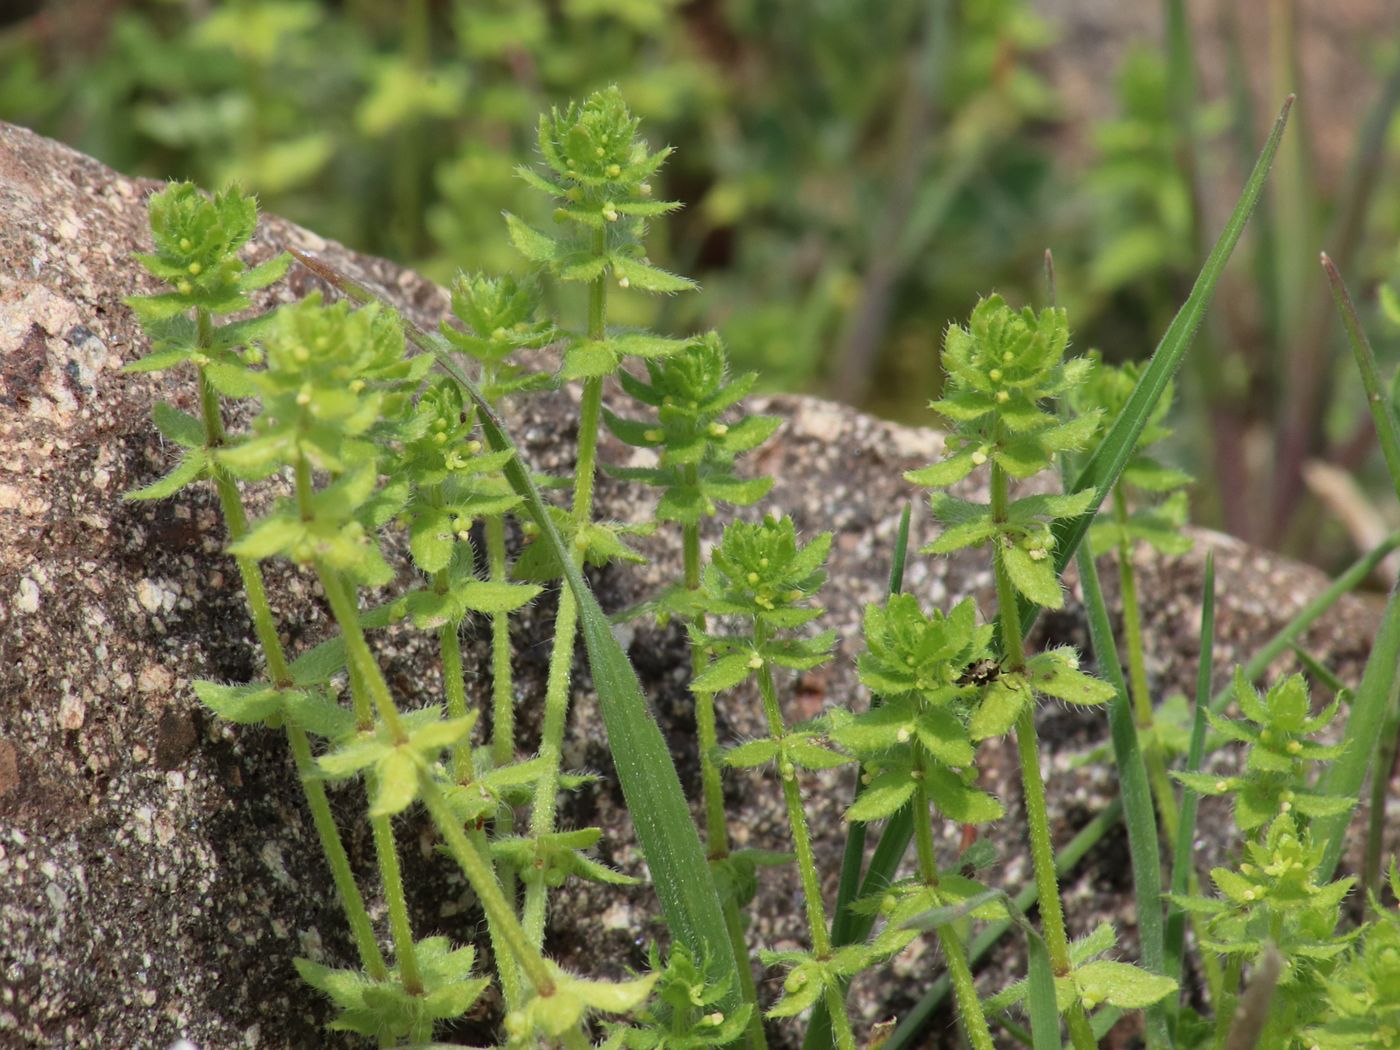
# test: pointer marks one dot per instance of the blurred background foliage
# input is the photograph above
(855, 174)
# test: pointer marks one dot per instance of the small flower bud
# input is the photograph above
(1293, 747)
(439, 439)
(614, 170)
(195, 269)
(755, 662)
(200, 359)
(718, 430)
(787, 769)
(184, 287)
(653, 435)
(599, 152)
(356, 385)
(763, 563)
(979, 457)
(1221, 785)
(473, 447)
(1003, 397)
(995, 375)
(303, 398)
(623, 282)
(752, 577)
(903, 735)
(715, 1018)
(644, 189)
(186, 244)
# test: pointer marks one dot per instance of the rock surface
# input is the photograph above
(158, 870)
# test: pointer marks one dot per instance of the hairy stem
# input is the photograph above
(265, 628)
(806, 861)
(1052, 916)
(482, 880)
(561, 657)
(712, 788)
(974, 1021)
(502, 688)
(400, 926)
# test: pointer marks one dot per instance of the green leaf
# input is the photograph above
(252, 704)
(724, 673)
(192, 466)
(395, 784)
(884, 795)
(1120, 984)
(530, 242)
(1034, 579)
(272, 535)
(649, 278)
(263, 274)
(492, 596)
(804, 752)
(1001, 705)
(430, 538)
(753, 753)
(180, 427)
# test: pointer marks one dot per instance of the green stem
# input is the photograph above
(400, 926)
(450, 644)
(357, 652)
(1052, 916)
(712, 788)
(265, 628)
(1033, 785)
(344, 878)
(802, 847)
(502, 689)
(974, 1020)
(716, 827)
(499, 914)
(561, 657)
(362, 673)
(1137, 675)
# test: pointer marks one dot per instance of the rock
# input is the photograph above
(158, 870)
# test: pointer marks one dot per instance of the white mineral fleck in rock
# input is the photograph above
(27, 598)
(148, 594)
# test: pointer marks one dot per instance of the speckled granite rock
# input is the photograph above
(158, 871)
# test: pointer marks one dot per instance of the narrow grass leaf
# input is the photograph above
(1307, 616)
(1387, 431)
(1135, 790)
(1186, 826)
(647, 775)
(1374, 698)
(1104, 466)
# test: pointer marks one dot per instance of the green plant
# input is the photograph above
(374, 445)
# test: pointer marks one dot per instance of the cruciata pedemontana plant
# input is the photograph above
(364, 449)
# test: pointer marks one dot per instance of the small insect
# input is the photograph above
(983, 672)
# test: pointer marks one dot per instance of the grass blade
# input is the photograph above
(1175, 945)
(1375, 696)
(1104, 466)
(846, 926)
(1136, 792)
(647, 775)
(1387, 431)
(1307, 616)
